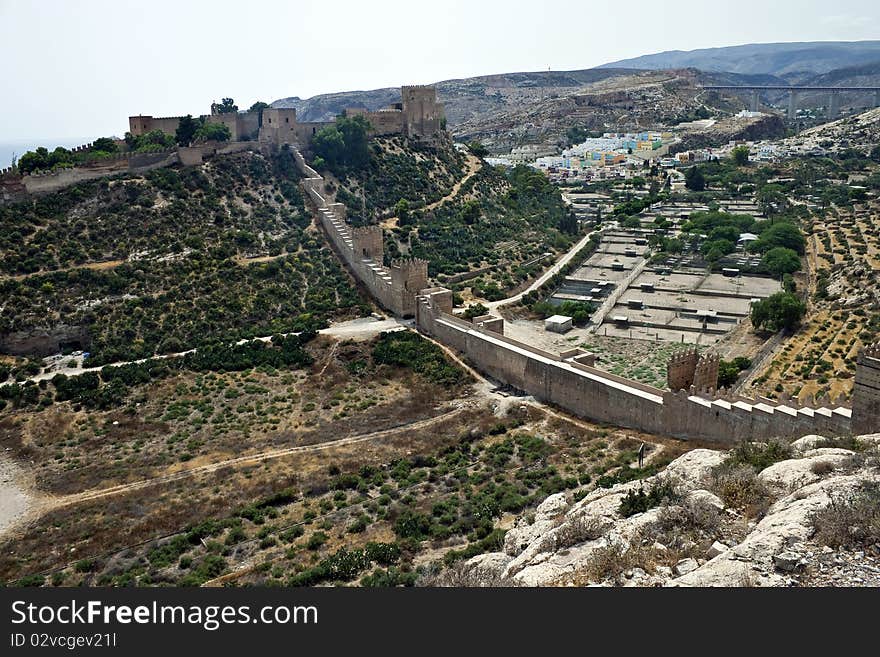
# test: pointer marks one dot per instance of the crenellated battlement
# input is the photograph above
(570, 381)
(362, 249)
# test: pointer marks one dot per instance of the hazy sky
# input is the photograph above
(78, 68)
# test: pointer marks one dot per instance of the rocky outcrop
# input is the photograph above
(769, 126)
(44, 341)
(691, 538)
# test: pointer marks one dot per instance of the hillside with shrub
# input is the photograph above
(458, 213)
(172, 259)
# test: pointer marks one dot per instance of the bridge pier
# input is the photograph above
(754, 105)
(792, 105)
(877, 98)
(833, 105)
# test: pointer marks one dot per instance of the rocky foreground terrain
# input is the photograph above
(804, 514)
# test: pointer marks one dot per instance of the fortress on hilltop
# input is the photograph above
(417, 115)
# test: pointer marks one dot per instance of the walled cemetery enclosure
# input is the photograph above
(564, 379)
(683, 305)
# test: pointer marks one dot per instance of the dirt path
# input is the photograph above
(473, 165)
(97, 266)
(17, 499)
(88, 496)
(362, 328)
(244, 261)
(563, 260)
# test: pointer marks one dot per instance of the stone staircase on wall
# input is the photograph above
(387, 286)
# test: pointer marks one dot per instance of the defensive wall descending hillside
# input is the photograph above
(362, 249)
(569, 381)
(14, 187)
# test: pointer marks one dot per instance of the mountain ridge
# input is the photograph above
(795, 58)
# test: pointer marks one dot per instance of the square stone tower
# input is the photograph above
(866, 392)
(421, 111)
(681, 368)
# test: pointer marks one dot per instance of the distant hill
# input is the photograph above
(510, 109)
(463, 97)
(780, 59)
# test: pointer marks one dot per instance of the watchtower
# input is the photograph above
(367, 242)
(681, 368)
(410, 275)
(866, 392)
(421, 112)
(706, 372)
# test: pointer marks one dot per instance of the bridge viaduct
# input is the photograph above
(794, 92)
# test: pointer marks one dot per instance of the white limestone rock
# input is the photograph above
(523, 534)
(807, 443)
(787, 561)
(492, 562)
(693, 469)
(686, 566)
(828, 451)
(717, 548)
(792, 474)
(703, 496)
(787, 522)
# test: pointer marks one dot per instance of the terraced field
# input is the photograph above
(843, 253)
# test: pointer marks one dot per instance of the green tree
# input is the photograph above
(226, 106)
(694, 179)
(478, 149)
(569, 223)
(186, 130)
(740, 155)
(716, 249)
(771, 200)
(152, 141)
(35, 160)
(401, 209)
(781, 260)
(259, 106)
(212, 132)
(781, 310)
(329, 145)
(781, 233)
(728, 370)
(576, 135)
(355, 131)
(474, 310)
(104, 145)
(345, 144)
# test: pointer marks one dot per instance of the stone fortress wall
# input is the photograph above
(570, 381)
(14, 187)
(418, 115)
(362, 249)
(866, 391)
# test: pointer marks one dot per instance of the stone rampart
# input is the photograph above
(362, 250)
(564, 380)
(14, 188)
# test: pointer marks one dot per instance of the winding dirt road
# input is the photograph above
(91, 495)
